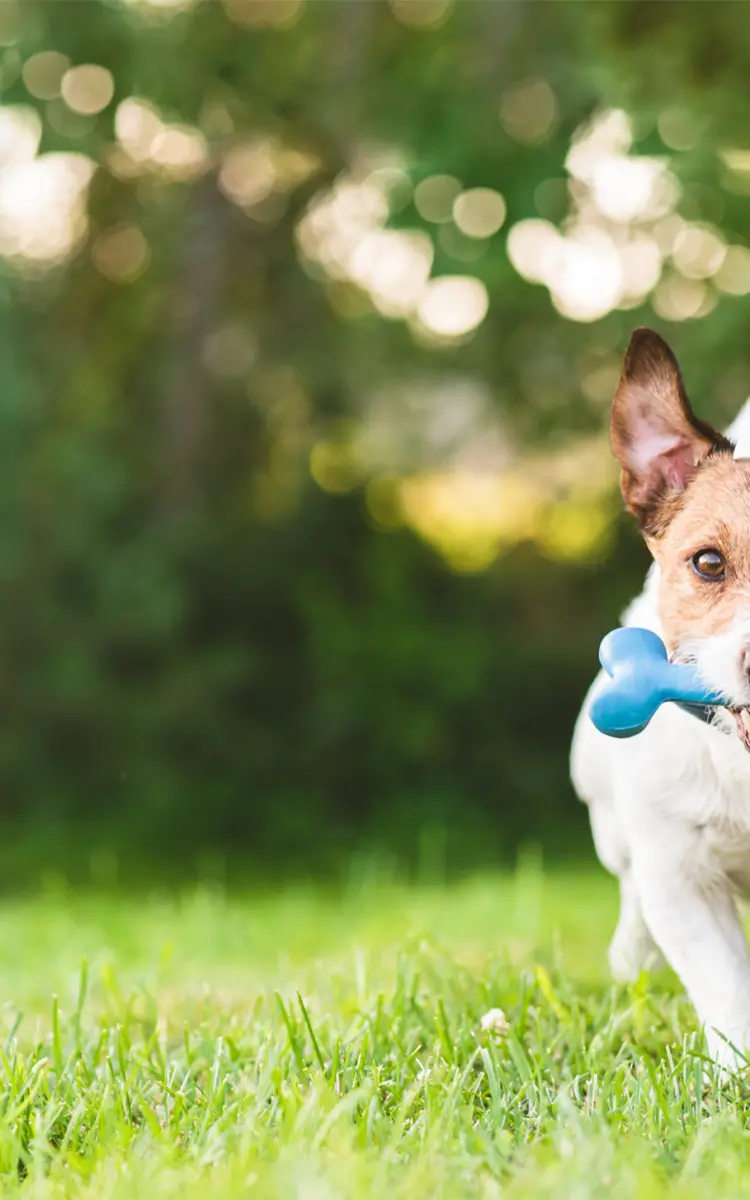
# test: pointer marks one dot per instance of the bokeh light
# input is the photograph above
(558, 500)
(641, 266)
(393, 266)
(43, 214)
(678, 128)
(479, 212)
(334, 467)
(20, 134)
(610, 249)
(137, 125)
(586, 276)
(180, 151)
(529, 111)
(737, 162)
(87, 89)
(428, 423)
(161, 9)
(43, 209)
(146, 143)
(680, 299)
(257, 169)
(599, 384)
(434, 197)
(421, 14)
(733, 276)
(698, 251)
(264, 14)
(458, 245)
(230, 351)
(121, 254)
(452, 306)
(343, 233)
(531, 247)
(248, 172)
(42, 73)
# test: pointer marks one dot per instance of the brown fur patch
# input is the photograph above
(713, 514)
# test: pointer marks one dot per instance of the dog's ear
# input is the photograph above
(655, 436)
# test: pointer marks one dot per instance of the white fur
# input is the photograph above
(670, 815)
(739, 432)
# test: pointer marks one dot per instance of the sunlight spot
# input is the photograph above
(531, 246)
(43, 72)
(393, 266)
(623, 188)
(333, 467)
(455, 243)
(264, 14)
(394, 183)
(20, 134)
(680, 299)
(43, 214)
(121, 254)
(599, 384)
(665, 232)
(87, 89)
(468, 516)
(585, 275)
(137, 124)
(641, 263)
(452, 306)
(421, 14)
(576, 531)
(434, 197)
(677, 129)
(337, 221)
(248, 173)
(610, 249)
(479, 212)
(733, 276)
(230, 351)
(698, 251)
(608, 132)
(180, 150)
(382, 502)
(737, 160)
(164, 8)
(528, 112)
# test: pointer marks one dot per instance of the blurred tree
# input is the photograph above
(287, 336)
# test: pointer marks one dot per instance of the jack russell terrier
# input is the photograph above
(670, 808)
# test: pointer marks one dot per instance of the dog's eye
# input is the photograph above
(709, 565)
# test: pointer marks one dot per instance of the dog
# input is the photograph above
(670, 808)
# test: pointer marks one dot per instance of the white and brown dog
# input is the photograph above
(670, 808)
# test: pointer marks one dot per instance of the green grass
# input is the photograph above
(316, 1046)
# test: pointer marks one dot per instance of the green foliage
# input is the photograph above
(207, 1047)
(200, 651)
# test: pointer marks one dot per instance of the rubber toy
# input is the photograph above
(639, 679)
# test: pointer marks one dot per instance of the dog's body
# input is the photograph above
(670, 808)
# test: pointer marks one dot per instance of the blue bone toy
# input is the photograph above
(641, 678)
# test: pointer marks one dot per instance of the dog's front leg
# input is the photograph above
(688, 906)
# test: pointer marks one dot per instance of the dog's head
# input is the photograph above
(691, 498)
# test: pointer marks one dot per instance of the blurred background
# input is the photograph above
(310, 318)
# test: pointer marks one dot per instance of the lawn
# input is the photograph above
(321, 1045)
